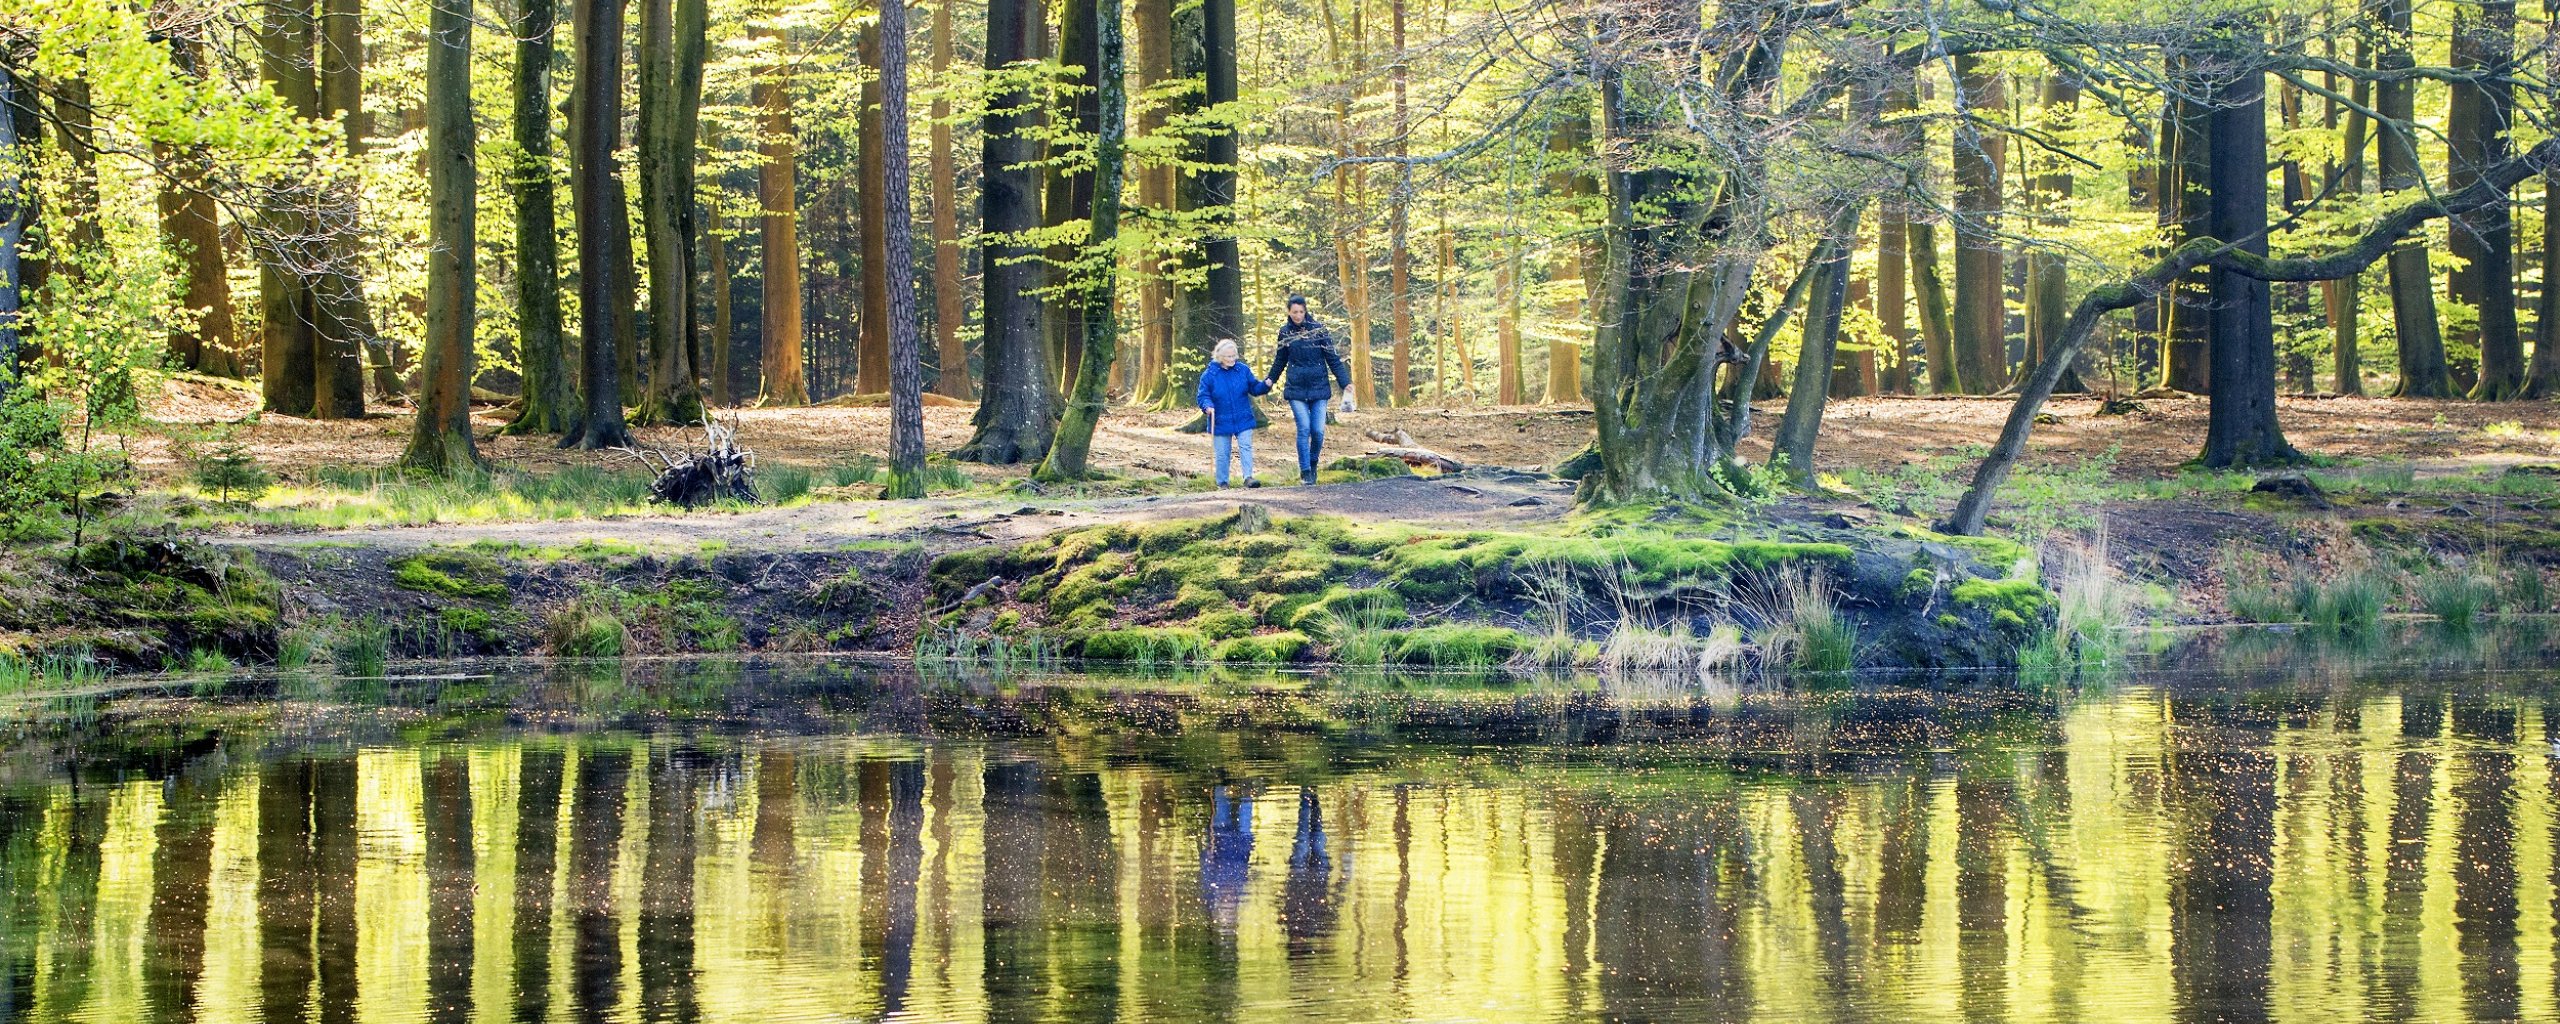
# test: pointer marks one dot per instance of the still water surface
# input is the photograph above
(801, 844)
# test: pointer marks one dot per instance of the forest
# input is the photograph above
(1770, 282)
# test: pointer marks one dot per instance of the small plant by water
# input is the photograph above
(2456, 595)
(360, 647)
(1796, 622)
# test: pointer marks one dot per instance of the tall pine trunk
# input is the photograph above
(1016, 412)
(1097, 276)
(1981, 308)
(2424, 372)
(1506, 330)
(550, 400)
(1399, 223)
(951, 362)
(871, 346)
(905, 346)
(441, 443)
(2483, 241)
(596, 202)
(785, 382)
(715, 246)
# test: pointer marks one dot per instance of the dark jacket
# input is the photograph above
(1306, 354)
(1227, 393)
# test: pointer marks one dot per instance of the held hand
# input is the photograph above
(1348, 405)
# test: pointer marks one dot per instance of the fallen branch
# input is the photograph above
(1420, 457)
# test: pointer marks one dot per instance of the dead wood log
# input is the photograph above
(722, 471)
(1418, 457)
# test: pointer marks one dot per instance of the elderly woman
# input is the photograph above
(1227, 387)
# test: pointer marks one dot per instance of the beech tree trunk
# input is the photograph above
(596, 203)
(723, 312)
(1929, 290)
(17, 210)
(951, 363)
(1070, 190)
(287, 341)
(1981, 309)
(671, 67)
(1791, 451)
(784, 379)
(2424, 371)
(2483, 241)
(1567, 143)
(344, 326)
(1016, 412)
(905, 346)
(2344, 297)
(188, 220)
(441, 443)
(2542, 378)
(2185, 362)
(2241, 428)
(1152, 50)
(1099, 274)
(550, 400)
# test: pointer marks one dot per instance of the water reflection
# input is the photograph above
(2160, 852)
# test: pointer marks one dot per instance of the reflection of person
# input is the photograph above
(1228, 858)
(1307, 355)
(1306, 899)
(1226, 394)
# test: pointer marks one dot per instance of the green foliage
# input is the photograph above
(1455, 645)
(2456, 596)
(360, 647)
(1148, 645)
(61, 670)
(230, 473)
(585, 629)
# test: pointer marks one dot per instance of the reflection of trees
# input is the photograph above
(595, 978)
(537, 844)
(333, 844)
(2484, 859)
(450, 886)
(1672, 890)
(666, 886)
(22, 855)
(2222, 794)
(181, 890)
(285, 892)
(1016, 972)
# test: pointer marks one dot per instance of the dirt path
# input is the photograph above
(1474, 499)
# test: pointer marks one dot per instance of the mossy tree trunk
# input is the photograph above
(1099, 272)
(2483, 241)
(550, 399)
(2241, 428)
(672, 49)
(441, 443)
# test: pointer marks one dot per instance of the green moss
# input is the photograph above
(1455, 645)
(1147, 644)
(468, 621)
(1265, 649)
(457, 573)
(2013, 601)
(1368, 467)
(1371, 607)
(1222, 625)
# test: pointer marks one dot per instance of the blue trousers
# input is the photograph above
(1241, 444)
(1310, 416)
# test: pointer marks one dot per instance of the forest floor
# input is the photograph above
(1873, 434)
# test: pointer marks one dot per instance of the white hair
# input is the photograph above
(1225, 346)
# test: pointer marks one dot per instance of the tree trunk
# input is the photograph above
(188, 221)
(2542, 378)
(1791, 451)
(2344, 297)
(2185, 345)
(344, 329)
(2424, 372)
(905, 346)
(1929, 290)
(17, 206)
(1099, 274)
(1568, 145)
(1399, 225)
(2483, 242)
(671, 66)
(1506, 290)
(784, 381)
(1225, 312)
(550, 401)
(2241, 428)
(1016, 413)
(951, 363)
(871, 355)
(1350, 218)
(1152, 49)
(596, 203)
(1070, 190)
(2048, 281)
(441, 443)
(1981, 308)
(723, 312)
(287, 342)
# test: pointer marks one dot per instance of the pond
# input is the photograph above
(2261, 832)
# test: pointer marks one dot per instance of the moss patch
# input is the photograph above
(470, 573)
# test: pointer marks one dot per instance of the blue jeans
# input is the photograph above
(1242, 444)
(1310, 416)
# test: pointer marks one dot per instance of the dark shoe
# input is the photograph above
(1252, 482)
(1307, 479)
(1222, 485)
